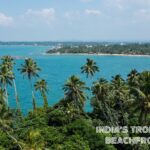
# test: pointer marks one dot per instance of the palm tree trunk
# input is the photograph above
(110, 114)
(7, 103)
(45, 99)
(102, 108)
(33, 96)
(16, 94)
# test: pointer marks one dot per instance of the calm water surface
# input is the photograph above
(56, 70)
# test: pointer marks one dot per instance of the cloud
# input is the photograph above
(117, 4)
(5, 20)
(72, 14)
(47, 14)
(142, 2)
(143, 14)
(93, 12)
(120, 4)
(124, 4)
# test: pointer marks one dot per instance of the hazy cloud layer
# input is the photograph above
(92, 12)
(46, 14)
(76, 20)
(5, 20)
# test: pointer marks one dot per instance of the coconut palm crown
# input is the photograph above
(90, 68)
(74, 91)
(29, 68)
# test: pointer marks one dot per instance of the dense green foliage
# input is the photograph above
(66, 125)
(89, 48)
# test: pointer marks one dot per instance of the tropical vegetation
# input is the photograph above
(67, 125)
(102, 48)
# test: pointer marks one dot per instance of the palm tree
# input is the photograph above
(6, 77)
(101, 105)
(9, 62)
(142, 94)
(133, 78)
(120, 95)
(144, 80)
(41, 85)
(117, 81)
(74, 92)
(90, 68)
(100, 88)
(30, 69)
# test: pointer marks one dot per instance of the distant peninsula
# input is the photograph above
(103, 48)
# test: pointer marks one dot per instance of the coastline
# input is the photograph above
(94, 54)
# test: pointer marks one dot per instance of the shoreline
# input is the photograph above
(94, 54)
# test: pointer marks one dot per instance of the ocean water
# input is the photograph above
(57, 69)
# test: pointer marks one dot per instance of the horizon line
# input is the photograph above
(86, 41)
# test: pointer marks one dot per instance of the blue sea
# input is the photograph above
(57, 69)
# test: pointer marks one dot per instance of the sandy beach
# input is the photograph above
(96, 54)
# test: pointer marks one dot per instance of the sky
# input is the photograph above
(75, 20)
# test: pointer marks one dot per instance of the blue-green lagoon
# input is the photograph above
(57, 68)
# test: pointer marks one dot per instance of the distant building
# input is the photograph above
(122, 44)
(89, 46)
